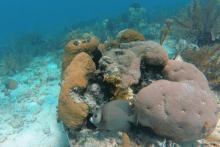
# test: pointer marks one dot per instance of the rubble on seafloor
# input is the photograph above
(134, 95)
(28, 106)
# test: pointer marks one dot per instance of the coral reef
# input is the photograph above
(129, 35)
(71, 112)
(134, 89)
(122, 66)
(200, 20)
(208, 64)
(151, 52)
(184, 104)
(74, 47)
(179, 71)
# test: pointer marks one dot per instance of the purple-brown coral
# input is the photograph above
(179, 111)
(125, 61)
(182, 107)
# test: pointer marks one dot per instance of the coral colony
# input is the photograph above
(119, 81)
(177, 105)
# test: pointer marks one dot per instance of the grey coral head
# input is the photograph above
(96, 117)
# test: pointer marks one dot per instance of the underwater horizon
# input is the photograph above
(52, 16)
(110, 73)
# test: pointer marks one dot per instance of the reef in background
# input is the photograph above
(199, 22)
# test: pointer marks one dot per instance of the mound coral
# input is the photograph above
(208, 64)
(182, 109)
(185, 72)
(173, 97)
(74, 47)
(121, 66)
(151, 52)
(71, 112)
(129, 35)
(11, 84)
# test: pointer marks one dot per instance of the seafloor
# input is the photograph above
(28, 116)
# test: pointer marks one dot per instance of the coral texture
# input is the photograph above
(129, 35)
(74, 47)
(200, 21)
(121, 66)
(183, 109)
(207, 59)
(70, 112)
(185, 72)
(152, 52)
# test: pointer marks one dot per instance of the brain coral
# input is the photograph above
(129, 35)
(182, 107)
(74, 47)
(152, 52)
(185, 72)
(70, 112)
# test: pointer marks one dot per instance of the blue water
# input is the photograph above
(50, 16)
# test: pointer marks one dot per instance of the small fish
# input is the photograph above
(114, 116)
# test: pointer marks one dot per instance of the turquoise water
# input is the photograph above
(51, 16)
(33, 38)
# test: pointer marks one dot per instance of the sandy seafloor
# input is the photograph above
(28, 114)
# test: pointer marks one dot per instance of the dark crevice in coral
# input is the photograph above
(96, 56)
(205, 39)
(106, 88)
(149, 73)
(90, 125)
(138, 133)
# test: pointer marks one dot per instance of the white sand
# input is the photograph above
(28, 114)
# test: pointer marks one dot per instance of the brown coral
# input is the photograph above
(129, 35)
(126, 140)
(74, 47)
(70, 112)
